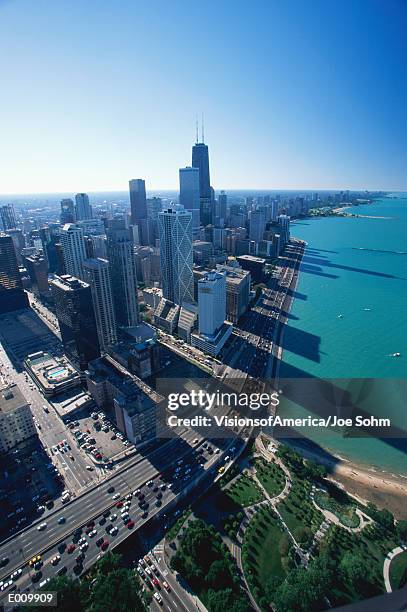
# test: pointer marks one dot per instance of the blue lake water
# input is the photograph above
(349, 313)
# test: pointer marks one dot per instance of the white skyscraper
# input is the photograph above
(97, 275)
(83, 209)
(189, 193)
(211, 302)
(175, 232)
(73, 249)
(120, 253)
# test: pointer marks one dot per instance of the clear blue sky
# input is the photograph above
(296, 94)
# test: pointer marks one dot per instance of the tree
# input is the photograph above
(109, 562)
(72, 595)
(218, 576)
(402, 530)
(117, 592)
(226, 599)
(353, 568)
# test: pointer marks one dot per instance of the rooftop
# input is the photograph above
(11, 398)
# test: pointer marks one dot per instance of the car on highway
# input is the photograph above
(36, 576)
(55, 560)
(158, 598)
(92, 533)
(105, 545)
(156, 583)
(44, 582)
(130, 524)
(70, 548)
(16, 574)
(42, 526)
(166, 586)
(115, 496)
(111, 490)
(62, 570)
(119, 504)
(99, 542)
(61, 520)
(4, 561)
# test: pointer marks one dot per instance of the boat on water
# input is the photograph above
(367, 309)
(395, 355)
(340, 316)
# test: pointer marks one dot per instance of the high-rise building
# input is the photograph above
(83, 210)
(73, 248)
(257, 225)
(211, 302)
(120, 253)
(175, 231)
(221, 209)
(67, 211)
(97, 275)
(49, 238)
(18, 241)
(138, 200)
(189, 193)
(37, 268)
(76, 318)
(237, 291)
(12, 294)
(8, 217)
(200, 160)
(16, 419)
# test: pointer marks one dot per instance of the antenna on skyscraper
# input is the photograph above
(196, 123)
(203, 136)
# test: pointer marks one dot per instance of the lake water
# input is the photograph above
(349, 314)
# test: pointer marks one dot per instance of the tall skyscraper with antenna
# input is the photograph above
(200, 160)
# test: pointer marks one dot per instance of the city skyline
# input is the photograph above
(289, 103)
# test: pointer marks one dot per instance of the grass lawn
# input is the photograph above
(299, 512)
(244, 492)
(340, 504)
(261, 555)
(271, 476)
(398, 571)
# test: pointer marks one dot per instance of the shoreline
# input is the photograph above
(384, 489)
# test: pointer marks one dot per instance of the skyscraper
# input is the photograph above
(83, 210)
(138, 200)
(97, 275)
(257, 225)
(221, 209)
(8, 217)
(67, 211)
(12, 294)
(76, 318)
(200, 160)
(175, 231)
(189, 192)
(73, 248)
(211, 302)
(120, 253)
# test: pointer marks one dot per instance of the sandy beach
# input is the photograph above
(383, 489)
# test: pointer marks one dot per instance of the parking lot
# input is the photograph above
(99, 438)
(29, 484)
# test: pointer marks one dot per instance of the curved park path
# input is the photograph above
(387, 562)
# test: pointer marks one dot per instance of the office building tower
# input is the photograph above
(211, 302)
(16, 419)
(237, 291)
(175, 231)
(200, 160)
(284, 227)
(138, 201)
(37, 268)
(49, 238)
(73, 248)
(189, 194)
(12, 294)
(221, 209)
(120, 253)
(97, 275)
(8, 217)
(67, 211)
(76, 317)
(257, 225)
(18, 239)
(83, 209)
(274, 210)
